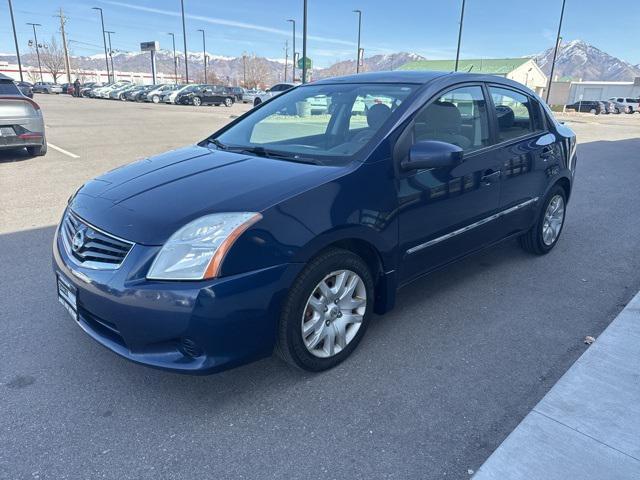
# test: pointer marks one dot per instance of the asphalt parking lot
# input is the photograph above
(432, 390)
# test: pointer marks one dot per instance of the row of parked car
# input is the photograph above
(180, 94)
(615, 105)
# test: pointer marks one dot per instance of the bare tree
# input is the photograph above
(257, 70)
(52, 57)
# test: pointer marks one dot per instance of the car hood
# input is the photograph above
(148, 200)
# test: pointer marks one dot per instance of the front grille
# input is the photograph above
(91, 247)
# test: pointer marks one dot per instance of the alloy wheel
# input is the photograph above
(334, 313)
(197, 101)
(228, 102)
(553, 220)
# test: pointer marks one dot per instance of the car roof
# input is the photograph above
(395, 76)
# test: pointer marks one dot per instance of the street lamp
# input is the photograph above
(293, 55)
(15, 39)
(35, 36)
(175, 59)
(113, 71)
(359, 12)
(204, 54)
(184, 35)
(460, 35)
(104, 40)
(555, 52)
(304, 42)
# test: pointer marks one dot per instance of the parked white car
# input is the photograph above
(156, 95)
(625, 104)
(274, 91)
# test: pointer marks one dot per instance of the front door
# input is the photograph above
(447, 212)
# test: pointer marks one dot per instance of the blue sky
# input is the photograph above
(493, 28)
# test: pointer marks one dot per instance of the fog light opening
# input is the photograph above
(190, 348)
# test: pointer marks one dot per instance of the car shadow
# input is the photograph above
(14, 155)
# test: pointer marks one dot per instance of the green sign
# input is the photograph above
(304, 62)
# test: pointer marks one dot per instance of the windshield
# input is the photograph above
(318, 120)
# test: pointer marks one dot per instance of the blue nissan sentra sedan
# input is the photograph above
(288, 228)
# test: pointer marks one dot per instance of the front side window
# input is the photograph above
(514, 112)
(319, 121)
(458, 117)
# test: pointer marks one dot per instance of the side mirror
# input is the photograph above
(432, 154)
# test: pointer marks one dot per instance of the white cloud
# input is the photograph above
(226, 22)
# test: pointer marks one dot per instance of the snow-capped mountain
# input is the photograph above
(579, 60)
(376, 63)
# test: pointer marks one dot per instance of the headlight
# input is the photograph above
(196, 251)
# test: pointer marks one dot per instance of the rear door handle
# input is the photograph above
(490, 176)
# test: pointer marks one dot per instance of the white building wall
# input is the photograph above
(602, 90)
(530, 75)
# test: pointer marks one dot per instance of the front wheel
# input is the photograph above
(197, 101)
(544, 235)
(228, 102)
(155, 99)
(326, 312)
(257, 102)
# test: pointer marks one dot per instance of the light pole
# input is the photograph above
(175, 59)
(460, 35)
(15, 39)
(293, 55)
(35, 36)
(104, 40)
(286, 59)
(113, 71)
(204, 54)
(555, 52)
(304, 42)
(359, 12)
(244, 69)
(184, 35)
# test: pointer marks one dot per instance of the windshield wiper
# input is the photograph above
(219, 145)
(267, 153)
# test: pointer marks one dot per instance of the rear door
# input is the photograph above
(447, 212)
(528, 153)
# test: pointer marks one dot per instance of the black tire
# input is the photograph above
(38, 151)
(532, 241)
(290, 345)
(257, 102)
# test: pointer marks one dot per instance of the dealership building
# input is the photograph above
(523, 70)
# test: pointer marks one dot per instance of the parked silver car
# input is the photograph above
(47, 87)
(274, 91)
(21, 122)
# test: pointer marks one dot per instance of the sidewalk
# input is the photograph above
(588, 426)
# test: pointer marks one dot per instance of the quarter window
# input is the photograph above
(515, 113)
(458, 117)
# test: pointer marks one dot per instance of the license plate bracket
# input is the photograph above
(67, 296)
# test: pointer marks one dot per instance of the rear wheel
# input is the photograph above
(257, 102)
(544, 235)
(197, 101)
(155, 99)
(228, 102)
(326, 312)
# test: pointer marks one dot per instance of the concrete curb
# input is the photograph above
(588, 425)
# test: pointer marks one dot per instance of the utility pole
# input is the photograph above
(304, 43)
(15, 39)
(204, 54)
(460, 35)
(104, 41)
(67, 65)
(175, 58)
(35, 36)
(555, 52)
(244, 69)
(293, 54)
(113, 72)
(359, 12)
(286, 58)
(184, 35)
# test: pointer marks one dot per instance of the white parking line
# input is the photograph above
(63, 151)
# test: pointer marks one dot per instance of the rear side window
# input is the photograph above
(458, 117)
(8, 88)
(515, 113)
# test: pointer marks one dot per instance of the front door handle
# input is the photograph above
(490, 176)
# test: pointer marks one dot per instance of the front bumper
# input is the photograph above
(229, 321)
